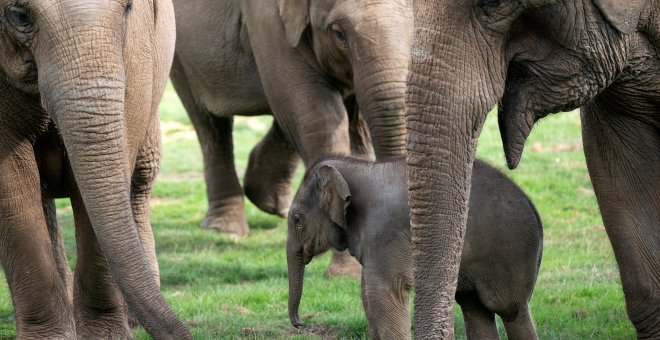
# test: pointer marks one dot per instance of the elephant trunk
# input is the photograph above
(455, 78)
(296, 269)
(380, 66)
(82, 85)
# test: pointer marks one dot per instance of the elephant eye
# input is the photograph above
(298, 221)
(339, 34)
(19, 19)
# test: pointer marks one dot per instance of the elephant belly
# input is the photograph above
(214, 52)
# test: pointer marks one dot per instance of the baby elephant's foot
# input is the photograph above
(343, 264)
(234, 225)
(274, 199)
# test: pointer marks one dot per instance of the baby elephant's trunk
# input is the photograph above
(296, 268)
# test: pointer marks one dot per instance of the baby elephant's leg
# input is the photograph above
(479, 320)
(520, 327)
(386, 307)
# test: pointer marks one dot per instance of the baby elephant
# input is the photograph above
(352, 204)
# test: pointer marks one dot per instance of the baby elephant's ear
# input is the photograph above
(622, 14)
(335, 196)
(295, 16)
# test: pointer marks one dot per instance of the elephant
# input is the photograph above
(307, 63)
(80, 85)
(348, 203)
(532, 58)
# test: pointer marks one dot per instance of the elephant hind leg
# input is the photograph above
(521, 327)
(226, 213)
(271, 169)
(479, 320)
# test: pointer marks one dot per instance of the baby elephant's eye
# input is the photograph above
(338, 33)
(298, 221)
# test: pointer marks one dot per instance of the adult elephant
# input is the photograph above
(80, 86)
(304, 62)
(535, 57)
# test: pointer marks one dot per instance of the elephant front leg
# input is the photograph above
(386, 306)
(623, 157)
(99, 307)
(270, 173)
(40, 298)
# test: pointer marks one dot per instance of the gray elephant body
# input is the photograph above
(79, 90)
(362, 206)
(306, 63)
(533, 58)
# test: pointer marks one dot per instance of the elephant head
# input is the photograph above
(70, 57)
(317, 221)
(534, 57)
(361, 45)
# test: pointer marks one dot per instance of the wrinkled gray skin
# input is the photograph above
(80, 83)
(535, 57)
(363, 207)
(305, 62)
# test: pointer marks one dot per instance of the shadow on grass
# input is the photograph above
(198, 272)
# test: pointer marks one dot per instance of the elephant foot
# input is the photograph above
(273, 199)
(343, 264)
(234, 225)
(115, 326)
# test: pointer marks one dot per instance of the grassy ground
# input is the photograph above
(227, 289)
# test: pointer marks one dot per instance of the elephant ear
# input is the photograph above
(295, 16)
(622, 14)
(335, 195)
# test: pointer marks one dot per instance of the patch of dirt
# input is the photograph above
(317, 330)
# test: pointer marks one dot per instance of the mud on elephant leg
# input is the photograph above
(58, 247)
(270, 173)
(225, 196)
(99, 306)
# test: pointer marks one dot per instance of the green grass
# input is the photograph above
(228, 289)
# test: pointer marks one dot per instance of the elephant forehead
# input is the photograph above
(87, 12)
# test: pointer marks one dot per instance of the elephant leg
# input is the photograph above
(57, 245)
(269, 176)
(521, 327)
(146, 168)
(479, 320)
(386, 307)
(358, 131)
(226, 213)
(99, 306)
(623, 158)
(39, 296)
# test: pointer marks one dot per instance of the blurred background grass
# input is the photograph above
(227, 289)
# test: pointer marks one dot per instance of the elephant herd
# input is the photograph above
(405, 82)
